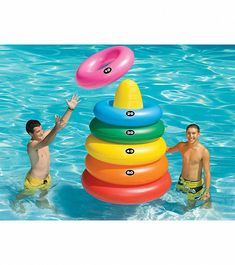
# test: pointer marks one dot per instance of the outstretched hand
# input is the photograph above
(73, 102)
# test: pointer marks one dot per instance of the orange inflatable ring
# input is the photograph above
(119, 194)
(126, 175)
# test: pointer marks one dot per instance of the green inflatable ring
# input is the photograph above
(125, 135)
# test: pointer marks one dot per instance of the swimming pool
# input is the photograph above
(191, 84)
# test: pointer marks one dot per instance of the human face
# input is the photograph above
(192, 135)
(38, 133)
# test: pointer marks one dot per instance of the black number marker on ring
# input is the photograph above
(107, 70)
(130, 113)
(130, 132)
(130, 151)
(130, 172)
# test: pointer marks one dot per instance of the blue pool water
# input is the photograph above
(190, 83)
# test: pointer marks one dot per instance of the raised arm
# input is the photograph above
(175, 148)
(59, 124)
(71, 106)
(207, 174)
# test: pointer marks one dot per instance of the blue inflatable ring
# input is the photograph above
(105, 112)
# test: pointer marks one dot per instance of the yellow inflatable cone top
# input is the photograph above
(128, 96)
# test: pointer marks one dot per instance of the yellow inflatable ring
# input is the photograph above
(125, 154)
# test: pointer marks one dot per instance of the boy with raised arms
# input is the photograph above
(38, 176)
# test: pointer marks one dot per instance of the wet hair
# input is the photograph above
(31, 124)
(193, 125)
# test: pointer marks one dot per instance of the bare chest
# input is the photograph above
(40, 156)
(192, 156)
(44, 153)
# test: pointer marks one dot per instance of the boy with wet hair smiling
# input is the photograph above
(195, 159)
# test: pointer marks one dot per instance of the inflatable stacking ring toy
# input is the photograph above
(119, 194)
(104, 67)
(126, 175)
(125, 154)
(105, 112)
(118, 134)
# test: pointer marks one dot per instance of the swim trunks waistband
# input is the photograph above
(34, 183)
(190, 183)
(194, 189)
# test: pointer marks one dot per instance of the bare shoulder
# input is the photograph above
(181, 145)
(32, 145)
(205, 151)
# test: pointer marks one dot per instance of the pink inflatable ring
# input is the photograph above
(104, 67)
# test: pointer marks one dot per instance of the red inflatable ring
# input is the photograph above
(104, 67)
(119, 194)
